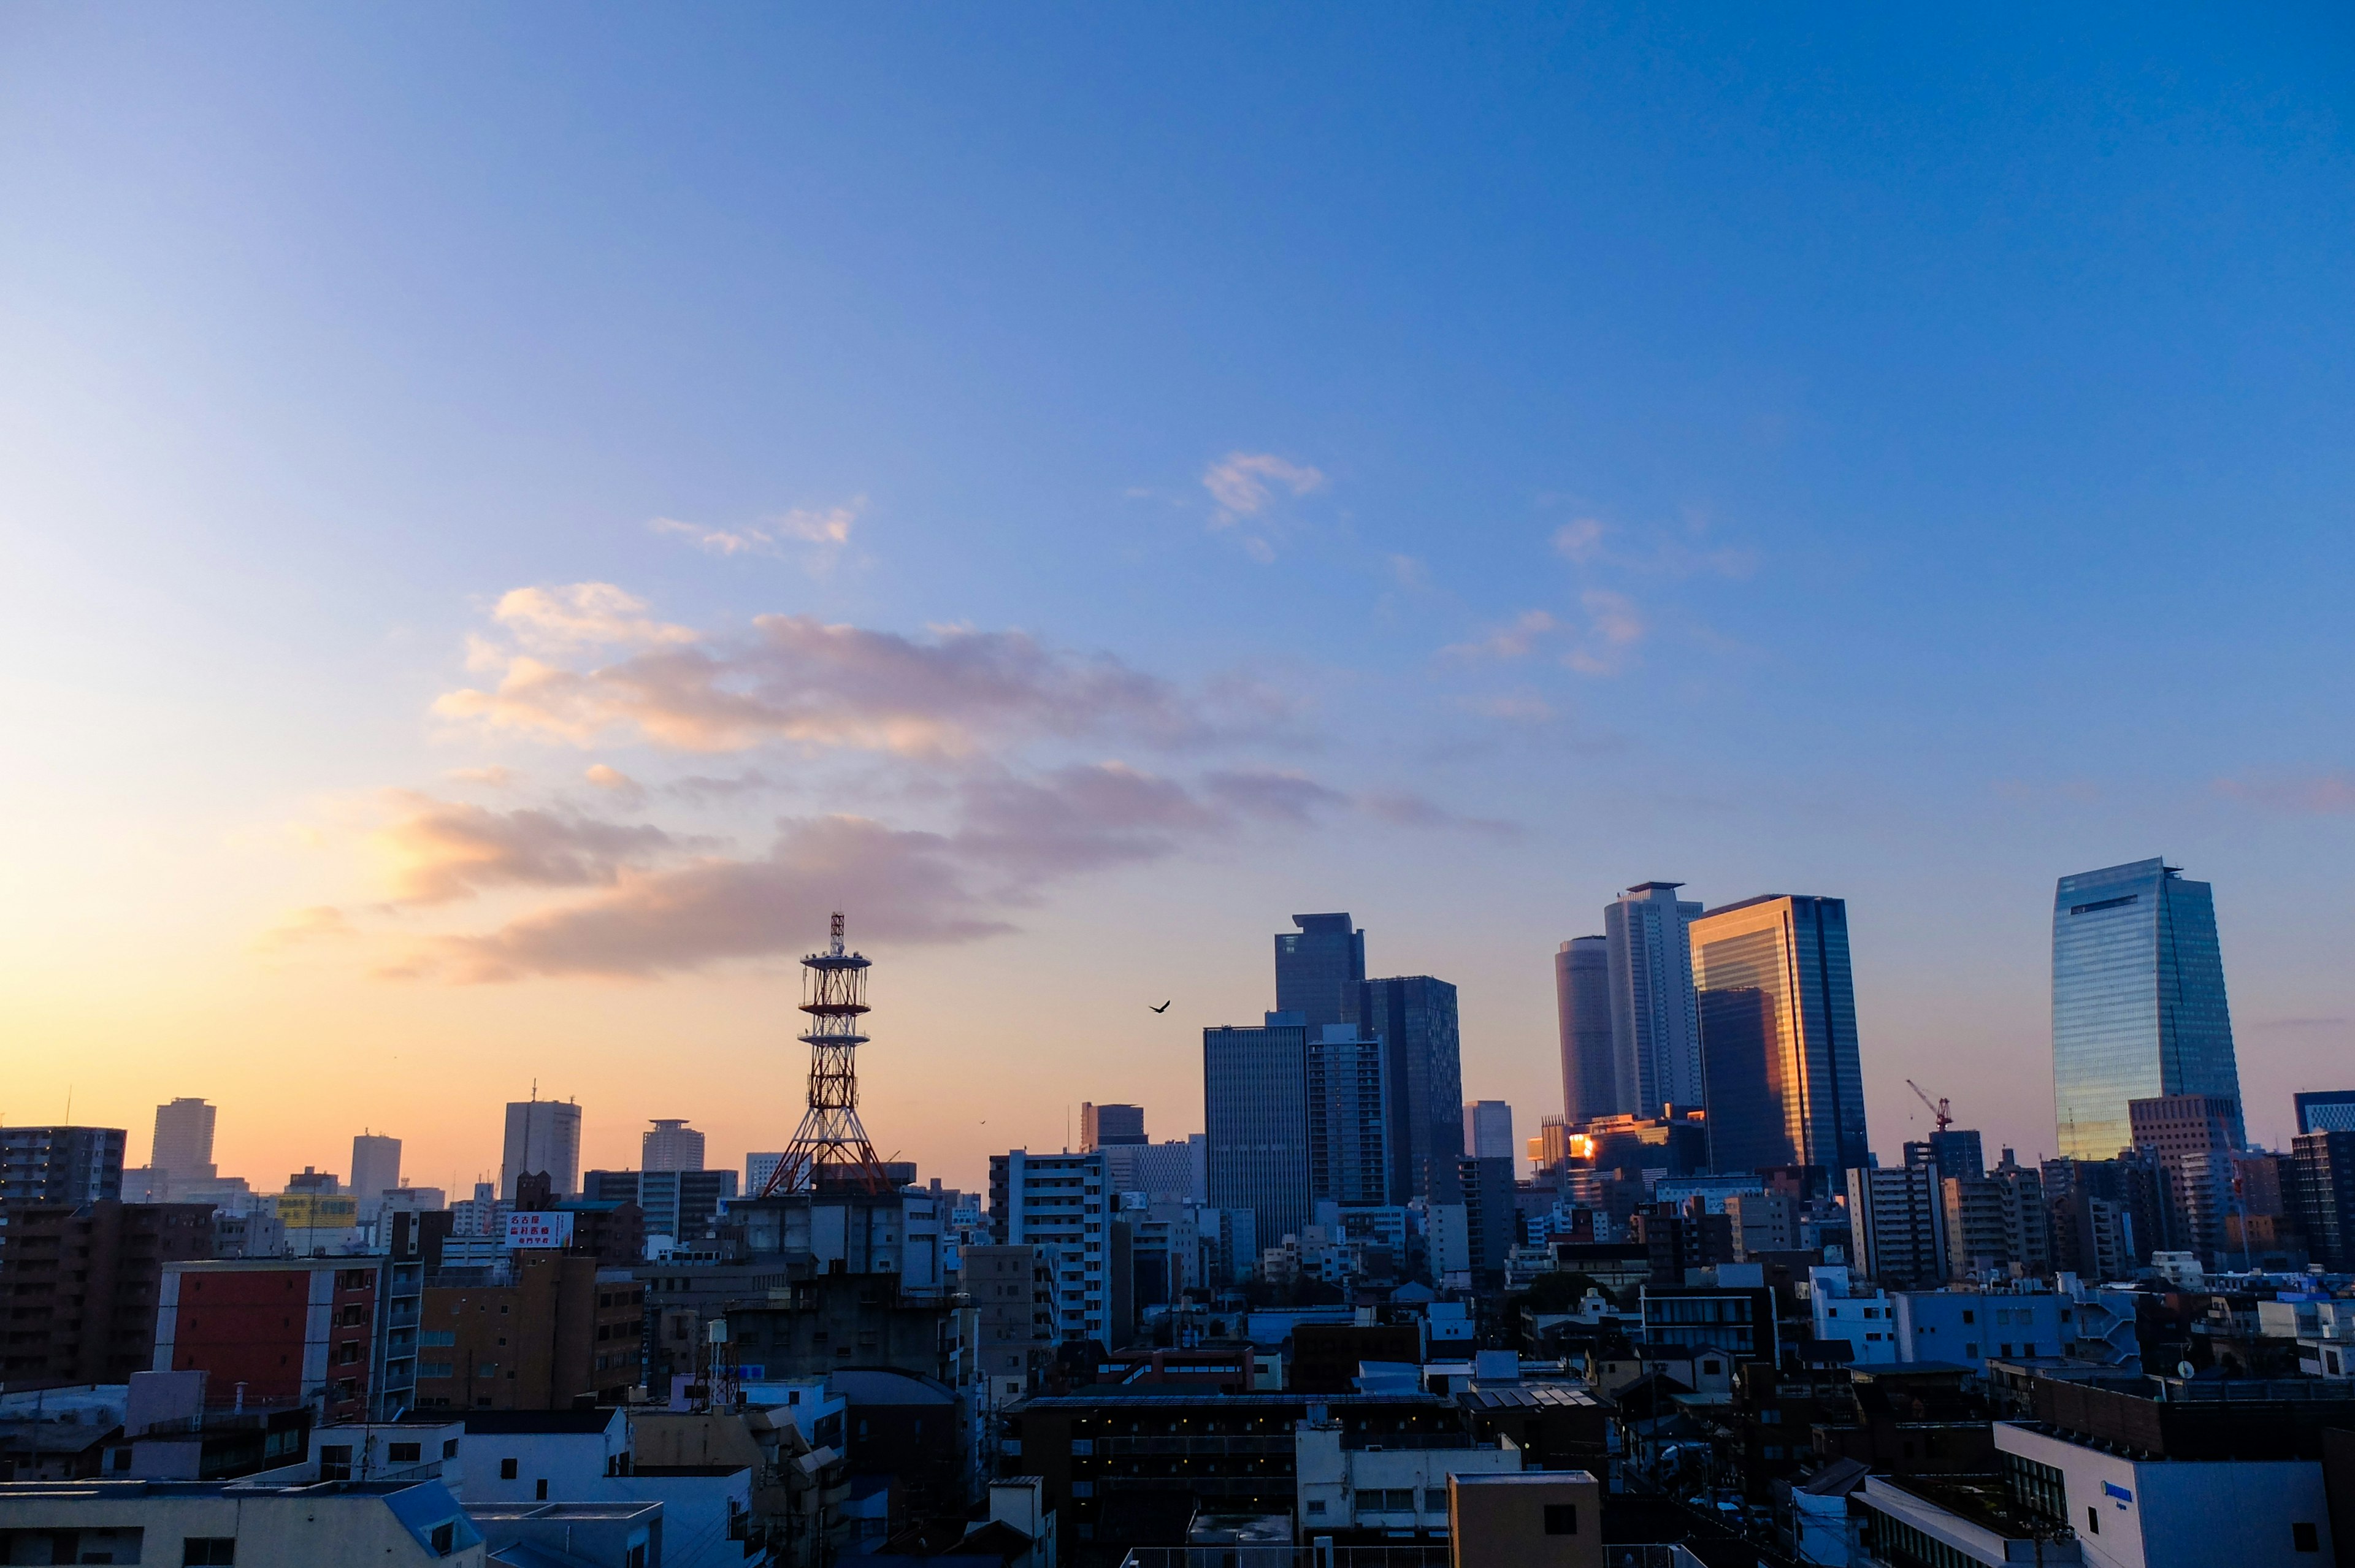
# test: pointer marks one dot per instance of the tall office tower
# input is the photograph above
(1058, 1202)
(670, 1145)
(2324, 1199)
(542, 1135)
(1414, 1017)
(1488, 1131)
(1318, 970)
(1582, 996)
(60, 1165)
(2138, 1006)
(1778, 1035)
(1349, 1125)
(1255, 1117)
(2325, 1111)
(1655, 1017)
(375, 1170)
(182, 1147)
(1102, 1127)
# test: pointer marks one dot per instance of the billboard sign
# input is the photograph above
(552, 1228)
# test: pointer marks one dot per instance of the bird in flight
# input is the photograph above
(1162, 1009)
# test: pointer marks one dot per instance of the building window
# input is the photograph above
(406, 1453)
(540, 1493)
(1434, 1499)
(445, 1539)
(2304, 1537)
(507, 1470)
(1562, 1518)
(2093, 1519)
(448, 1447)
(1317, 1505)
(208, 1548)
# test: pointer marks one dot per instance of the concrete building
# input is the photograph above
(1357, 1489)
(1492, 1222)
(2324, 1200)
(1176, 1171)
(1012, 1287)
(542, 1135)
(620, 1532)
(1059, 1202)
(338, 1333)
(1590, 1066)
(681, 1203)
(1103, 1126)
(60, 1165)
(376, 1170)
(1320, 969)
(1255, 1117)
(670, 1145)
(557, 1329)
(1488, 1131)
(80, 1285)
(182, 1144)
(391, 1522)
(1899, 1219)
(1546, 1519)
(847, 1230)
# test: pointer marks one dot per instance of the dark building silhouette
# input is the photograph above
(1414, 1017)
(1318, 970)
(1582, 992)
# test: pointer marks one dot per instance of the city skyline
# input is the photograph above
(468, 637)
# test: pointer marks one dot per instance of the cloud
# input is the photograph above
(1243, 483)
(1613, 628)
(318, 923)
(1414, 811)
(826, 534)
(1410, 573)
(493, 777)
(1272, 796)
(615, 783)
(1512, 642)
(1579, 540)
(580, 615)
(702, 789)
(439, 851)
(801, 681)
(2322, 794)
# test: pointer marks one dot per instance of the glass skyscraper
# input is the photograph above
(1778, 1035)
(2138, 1006)
(1319, 968)
(1349, 1127)
(1255, 1117)
(1582, 995)
(1655, 1021)
(1414, 1017)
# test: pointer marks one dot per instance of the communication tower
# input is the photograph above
(830, 1145)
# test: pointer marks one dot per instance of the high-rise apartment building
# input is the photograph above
(1059, 1202)
(542, 1135)
(1103, 1126)
(1778, 1035)
(2138, 1006)
(1348, 1121)
(79, 1282)
(670, 1145)
(376, 1170)
(1899, 1219)
(1655, 1016)
(2324, 1198)
(1255, 1119)
(1414, 1017)
(1176, 1171)
(2325, 1111)
(1318, 970)
(758, 1167)
(183, 1145)
(60, 1165)
(1488, 1131)
(1582, 993)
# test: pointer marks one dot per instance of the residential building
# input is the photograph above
(1492, 1222)
(1655, 1013)
(1488, 1131)
(557, 1329)
(1582, 993)
(1899, 1219)
(1058, 1202)
(1256, 1116)
(2325, 1111)
(620, 1531)
(843, 1228)
(1540, 1518)
(60, 1165)
(1955, 1152)
(758, 1168)
(393, 1522)
(1357, 1489)
(79, 1283)
(1777, 1010)
(670, 1145)
(542, 1135)
(376, 1170)
(1319, 970)
(1761, 1223)
(1013, 1289)
(2139, 1003)
(2325, 1198)
(182, 1144)
(1414, 1017)
(339, 1333)
(1176, 1171)
(1349, 1126)
(2108, 1215)
(1103, 1126)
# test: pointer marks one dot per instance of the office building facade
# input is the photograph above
(376, 1170)
(1783, 1080)
(1414, 1017)
(542, 1135)
(182, 1144)
(1655, 1014)
(2325, 1111)
(1488, 1131)
(1319, 969)
(1348, 1122)
(670, 1143)
(1255, 1119)
(1103, 1126)
(2138, 1004)
(1582, 993)
(60, 1165)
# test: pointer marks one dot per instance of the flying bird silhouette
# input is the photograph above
(1162, 1009)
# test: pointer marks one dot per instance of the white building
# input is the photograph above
(1350, 1485)
(542, 1135)
(670, 1145)
(1962, 1327)
(2150, 1513)
(1176, 1171)
(376, 1170)
(1057, 1201)
(389, 1522)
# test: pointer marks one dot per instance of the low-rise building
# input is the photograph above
(1360, 1489)
(1550, 1519)
(556, 1329)
(308, 1526)
(336, 1332)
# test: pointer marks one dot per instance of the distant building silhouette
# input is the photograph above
(1590, 1068)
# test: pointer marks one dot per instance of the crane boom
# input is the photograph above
(1937, 1107)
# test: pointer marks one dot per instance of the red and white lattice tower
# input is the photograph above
(830, 1144)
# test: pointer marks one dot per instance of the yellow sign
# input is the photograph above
(318, 1212)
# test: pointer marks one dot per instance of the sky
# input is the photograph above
(508, 516)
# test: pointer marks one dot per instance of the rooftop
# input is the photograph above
(561, 1512)
(496, 1422)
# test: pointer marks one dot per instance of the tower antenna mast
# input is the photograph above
(830, 1144)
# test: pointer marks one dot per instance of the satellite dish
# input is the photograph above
(2183, 1368)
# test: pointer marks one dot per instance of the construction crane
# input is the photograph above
(1937, 1107)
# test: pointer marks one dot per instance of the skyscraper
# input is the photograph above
(1103, 1126)
(1256, 1116)
(1778, 1035)
(1582, 993)
(1318, 970)
(1414, 1017)
(1655, 1020)
(2325, 1111)
(376, 1168)
(1348, 1122)
(184, 1142)
(542, 1135)
(2139, 1007)
(1488, 1131)
(670, 1145)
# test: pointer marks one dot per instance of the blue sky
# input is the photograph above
(1502, 458)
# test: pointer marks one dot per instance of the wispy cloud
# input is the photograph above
(702, 789)
(439, 850)
(319, 922)
(817, 538)
(1517, 640)
(1591, 542)
(2317, 795)
(615, 783)
(1598, 643)
(1243, 483)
